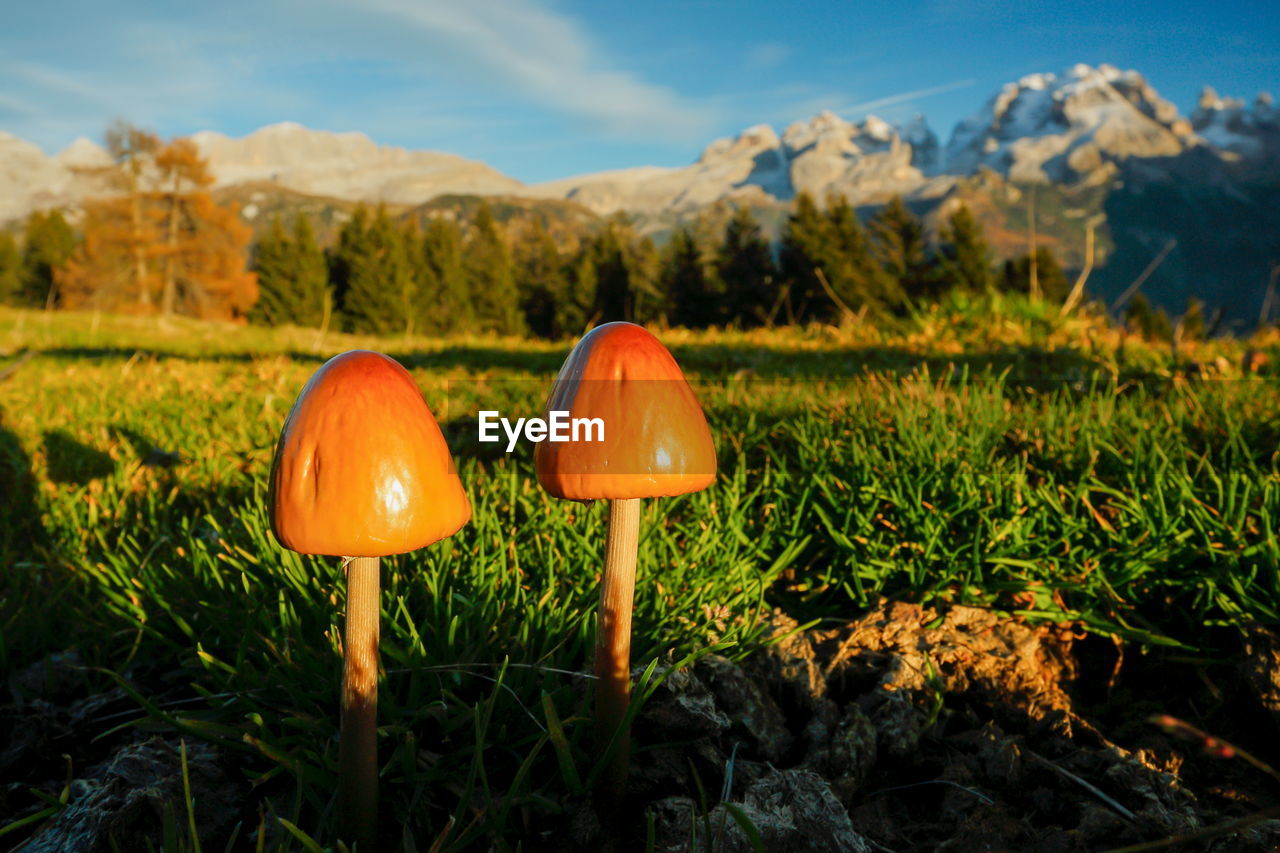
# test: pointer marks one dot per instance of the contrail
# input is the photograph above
(909, 96)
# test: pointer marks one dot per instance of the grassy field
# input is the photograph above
(982, 454)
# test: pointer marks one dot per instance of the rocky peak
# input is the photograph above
(1230, 125)
(1070, 127)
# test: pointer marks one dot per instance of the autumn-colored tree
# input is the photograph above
(133, 234)
(161, 236)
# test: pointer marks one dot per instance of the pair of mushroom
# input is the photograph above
(362, 472)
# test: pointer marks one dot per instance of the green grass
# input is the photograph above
(983, 454)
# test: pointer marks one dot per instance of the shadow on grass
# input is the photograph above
(72, 462)
(780, 362)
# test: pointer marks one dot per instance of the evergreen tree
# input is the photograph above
(1142, 319)
(444, 301)
(688, 284)
(964, 256)
(576, 310)
(491, 276)
(852, 270)
(540, 280)
(745, 264)
(1053, 282)
(293, 279)
(898, 243)
(381, 291)
(614, 297)
(346, 254)
(10, 268)
(46, 247)
(805, 247)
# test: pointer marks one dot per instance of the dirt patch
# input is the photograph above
(956, 729)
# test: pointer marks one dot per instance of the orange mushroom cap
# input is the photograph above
(656, 439)
(361, 469)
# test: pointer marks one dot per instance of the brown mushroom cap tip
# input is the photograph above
(656, 439)
(361, 468)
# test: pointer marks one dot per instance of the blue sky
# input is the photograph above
(547, 88)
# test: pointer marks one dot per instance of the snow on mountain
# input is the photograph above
(1075, 127)
(1070, 127)
(345, 165)
(827, 154)
(1230, 125)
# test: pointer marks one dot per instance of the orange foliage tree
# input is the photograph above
(161, 242)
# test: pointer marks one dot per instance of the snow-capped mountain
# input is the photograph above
(1070, 127)
(1081, 126)
(1229, 125)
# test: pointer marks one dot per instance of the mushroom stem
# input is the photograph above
(358, 741)
(613, 646)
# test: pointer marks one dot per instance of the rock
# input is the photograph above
(1261, 668)
(792, 810)
(120, 803)
(750, 710)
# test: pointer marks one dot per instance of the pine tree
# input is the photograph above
(1053, 282)
(381, 291)
(614, 299)
(491, 277)
(745, 264)
(540, 280)
(444, 300)
(10, 268)
(852, 269)
(293, 279)
(805, 247)
(964, 256)
(46, 246)
(1151, 323)
(899, 244)
(687, 282)
(576, 310)
(347, 254)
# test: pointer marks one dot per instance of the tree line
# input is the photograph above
(386, 276)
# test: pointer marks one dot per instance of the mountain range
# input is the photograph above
(1095, 145)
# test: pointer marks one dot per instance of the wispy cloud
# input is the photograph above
(768, 55)
(548, 57)
(904, 97)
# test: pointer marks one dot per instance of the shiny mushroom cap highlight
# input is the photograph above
(656, 439)
(361, 469)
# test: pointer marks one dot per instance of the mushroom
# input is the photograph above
(361, 472)
(655, 443)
